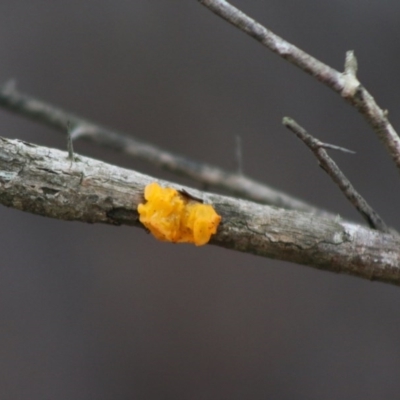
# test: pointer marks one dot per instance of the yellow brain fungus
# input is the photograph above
(176, 217)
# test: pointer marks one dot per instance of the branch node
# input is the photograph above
(350, 63)
(350, 81)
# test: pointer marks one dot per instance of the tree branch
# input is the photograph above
(45, 181)
(331, 168)
(210, 176)
(346, 84)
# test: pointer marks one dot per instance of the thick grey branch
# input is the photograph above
(346, 83)
(45, 182)
(235, 183)
(331, 168)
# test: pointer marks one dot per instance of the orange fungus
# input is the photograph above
(176, 217)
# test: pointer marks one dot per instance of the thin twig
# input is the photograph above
(336, 148)
(209, 176)
(346, 83)
(331, 168)
(70, 145)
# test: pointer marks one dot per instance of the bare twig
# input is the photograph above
(337, 148)
(234, 183)
(331, 168)
(43, 181)
(70, 145)
(346, 83)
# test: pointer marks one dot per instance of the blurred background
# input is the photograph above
(100, 312)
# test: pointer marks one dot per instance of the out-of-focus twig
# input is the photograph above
(210, 176)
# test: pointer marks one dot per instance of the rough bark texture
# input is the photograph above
(45, 182)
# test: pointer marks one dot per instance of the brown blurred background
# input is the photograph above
(98, 312)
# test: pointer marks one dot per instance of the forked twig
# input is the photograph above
(331, 168)
(346, 84)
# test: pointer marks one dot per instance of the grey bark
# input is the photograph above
(46, 182)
